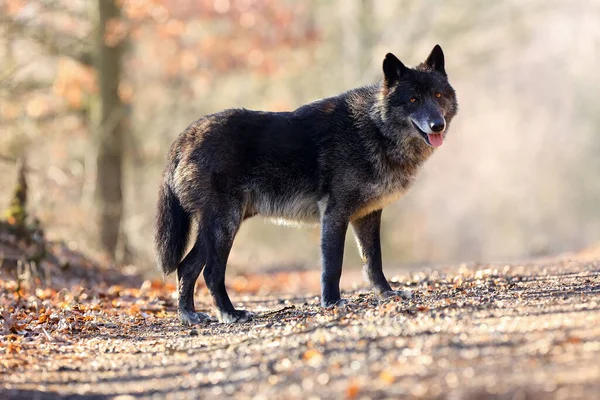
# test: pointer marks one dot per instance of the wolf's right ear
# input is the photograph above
(393, 69)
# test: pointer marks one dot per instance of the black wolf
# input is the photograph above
(336, 161)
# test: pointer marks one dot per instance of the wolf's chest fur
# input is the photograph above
(381, 198)
(384, 191)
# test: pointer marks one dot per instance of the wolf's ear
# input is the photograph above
(393, 69)
(436, 60)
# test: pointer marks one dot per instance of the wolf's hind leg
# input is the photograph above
(219, 228)
(187, 274)
(368, 240)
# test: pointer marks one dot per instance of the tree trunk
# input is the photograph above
(110, 134)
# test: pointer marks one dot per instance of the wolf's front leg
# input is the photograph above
(367, 235)
(333, 232)
(368, 240)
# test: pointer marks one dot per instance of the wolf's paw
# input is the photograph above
(235, 316)
(192, 317)
(335, 304)
(404, 294)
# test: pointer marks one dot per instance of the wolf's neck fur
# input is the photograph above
(396, 148)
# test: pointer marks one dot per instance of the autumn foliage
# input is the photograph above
(182, 38)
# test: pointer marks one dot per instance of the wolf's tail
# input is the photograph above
(172, 230)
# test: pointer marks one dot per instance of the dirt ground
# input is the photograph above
(522, 331)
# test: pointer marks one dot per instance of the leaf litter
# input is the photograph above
(470, 331)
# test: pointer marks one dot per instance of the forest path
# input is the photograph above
(529, 330)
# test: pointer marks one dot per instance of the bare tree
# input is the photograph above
(111, 129)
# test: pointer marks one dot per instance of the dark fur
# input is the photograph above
(335, 161)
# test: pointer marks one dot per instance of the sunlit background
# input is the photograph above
(517, 177)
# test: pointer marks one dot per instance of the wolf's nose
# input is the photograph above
(437, 126)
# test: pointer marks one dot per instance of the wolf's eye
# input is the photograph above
(438, 95)
(413, 99)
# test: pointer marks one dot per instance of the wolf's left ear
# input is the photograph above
(436, 60)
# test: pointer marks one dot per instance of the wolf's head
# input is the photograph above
(418, 98)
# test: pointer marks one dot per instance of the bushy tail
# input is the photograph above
(171, 231)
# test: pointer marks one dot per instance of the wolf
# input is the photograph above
(335, 162)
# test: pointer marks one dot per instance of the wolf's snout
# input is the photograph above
(437, 125)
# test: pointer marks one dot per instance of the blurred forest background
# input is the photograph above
(93, 92)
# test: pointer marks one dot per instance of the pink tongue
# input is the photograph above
(436, 139)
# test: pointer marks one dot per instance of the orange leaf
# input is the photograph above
(313, 357)
(352, 390)
(386, 377)
(310, 354)
(573, 340)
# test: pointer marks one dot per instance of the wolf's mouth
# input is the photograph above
(432, 139)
